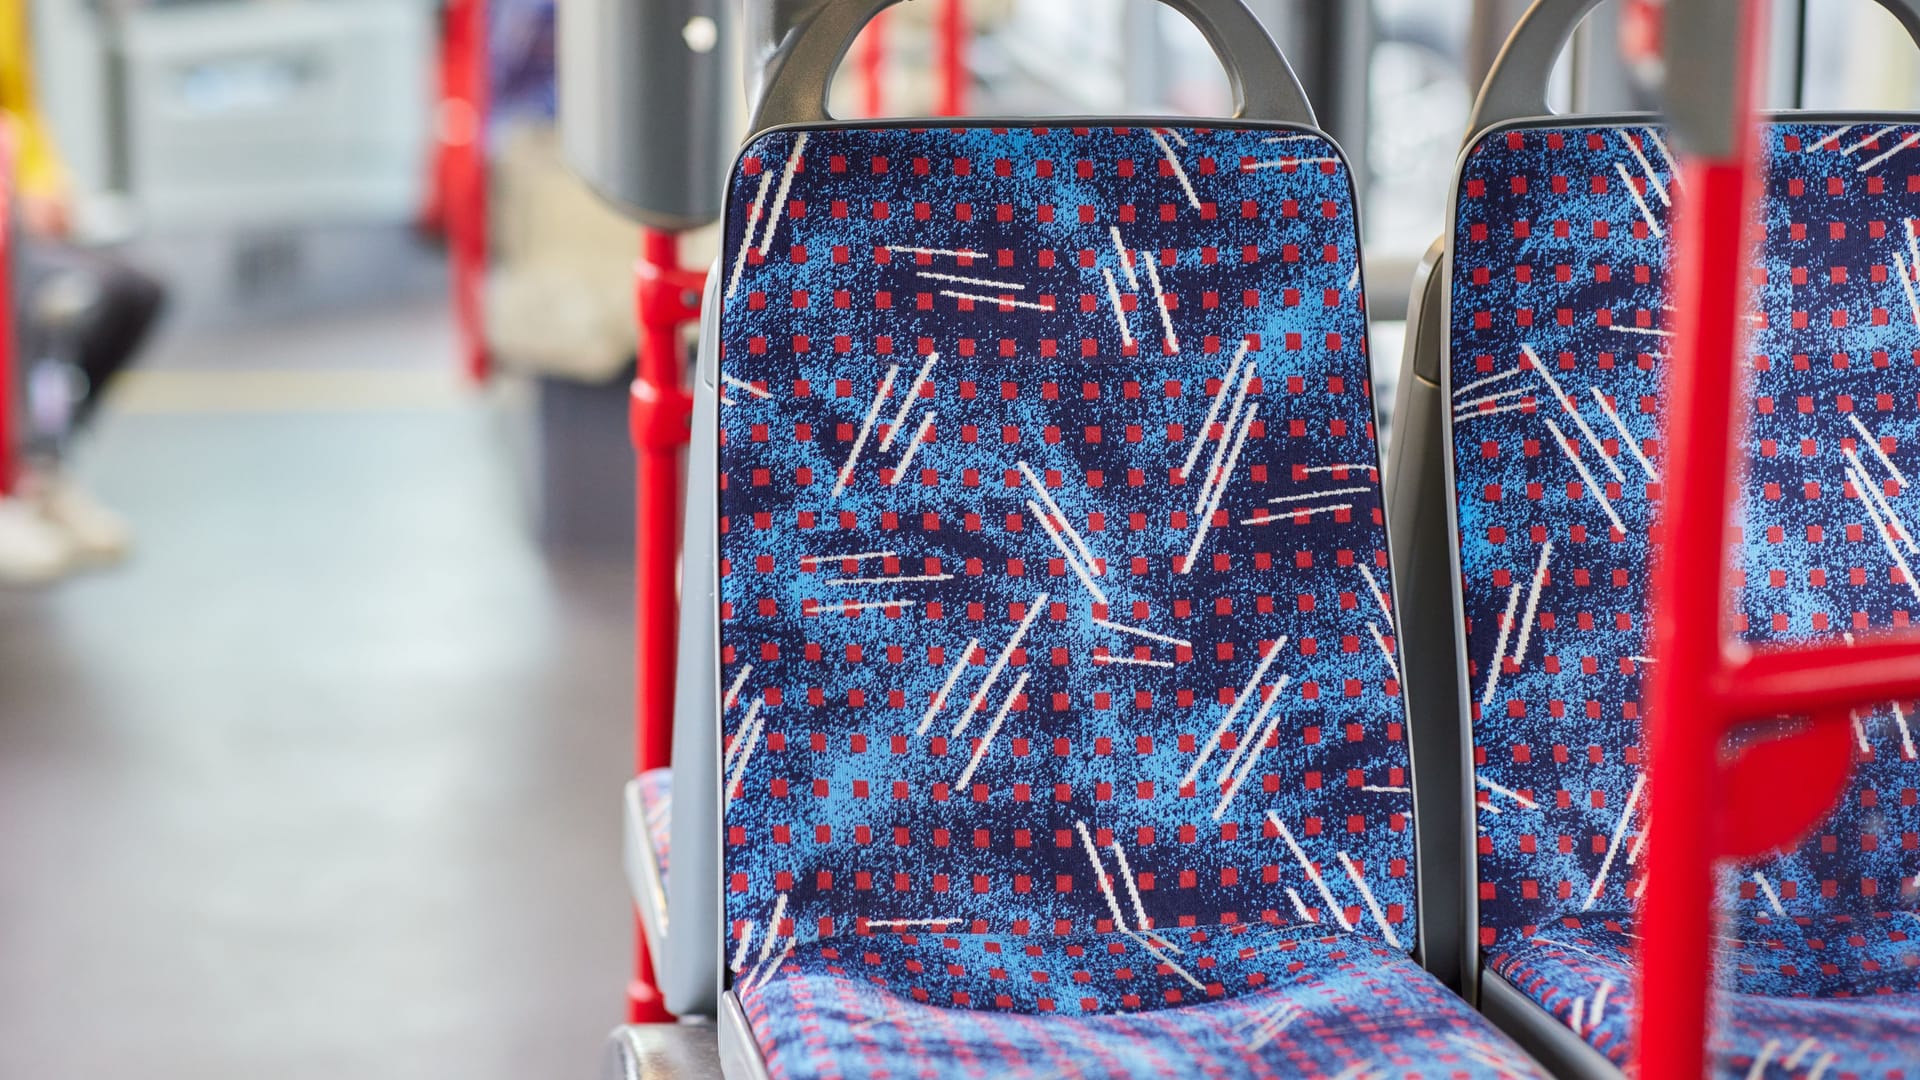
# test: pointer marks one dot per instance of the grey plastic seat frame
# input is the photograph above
(1425, 543)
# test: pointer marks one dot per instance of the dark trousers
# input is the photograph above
(106, 335)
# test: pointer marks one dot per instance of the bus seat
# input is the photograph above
(1553, 377)
(1059, 679)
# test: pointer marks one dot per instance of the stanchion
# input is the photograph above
(1709, 802)
(951, 44)
(10, 373)
(462, 203)
(659, 414)
(870, 67)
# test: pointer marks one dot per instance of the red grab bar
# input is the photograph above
(659, 417)
(9, 367)
(951, 47)
(871, 67)
(1705, 803)
(462, 171)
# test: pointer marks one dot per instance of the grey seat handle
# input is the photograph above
(799, 72)
(1516, 86)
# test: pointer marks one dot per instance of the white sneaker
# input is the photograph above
(96, 534)
(33, 551)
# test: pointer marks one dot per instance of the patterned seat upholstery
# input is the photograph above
(656, 797)
(1059, 683)
(1829, 983)
(1263, 1001)
(1557, 351)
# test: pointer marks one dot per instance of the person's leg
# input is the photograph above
(91, 312)
(33, 549)
(106, 337)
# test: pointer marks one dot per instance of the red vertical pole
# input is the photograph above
(1713, 247)
(952, 46)
(1687, 712)
(871, 67)
(667, 299)
(9, 368)
(433, 207)
(1707, 802)
(462, 123)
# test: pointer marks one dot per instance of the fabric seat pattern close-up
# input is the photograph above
(1290, 1001)
(1557, 354)
(1813, 989)
(1056, 617)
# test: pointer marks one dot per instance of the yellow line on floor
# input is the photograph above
(288, 391)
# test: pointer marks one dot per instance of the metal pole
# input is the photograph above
(1142, 55)
(1491, 22)
(1330, 42)
(463, 132)
(870, 65)
(1684, 732)
(952, 48)
(667, 300)
(1787, 65)
(9, 370)
(1709, 802)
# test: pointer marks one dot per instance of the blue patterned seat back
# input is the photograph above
(1054, 586)
(1557, 351)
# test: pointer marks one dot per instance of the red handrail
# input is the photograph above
(951, 45)
(462, 173)
(870, 66)
(9, 368)
(667, 300)
(1704, 804)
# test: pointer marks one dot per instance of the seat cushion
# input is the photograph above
(1845, 986)
(1226, 1001)
(656, 796)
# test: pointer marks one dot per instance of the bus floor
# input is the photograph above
(325, 781)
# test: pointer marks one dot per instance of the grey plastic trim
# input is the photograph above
(1552, 1043)
(622, 1059)
(1703, 74)
(740, 1057)
(764, 25)
(643, 871)
(1417, 520)
(1516, 86)
(683, 1051)
(689, 968)
(643, 109)
(799, 70)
